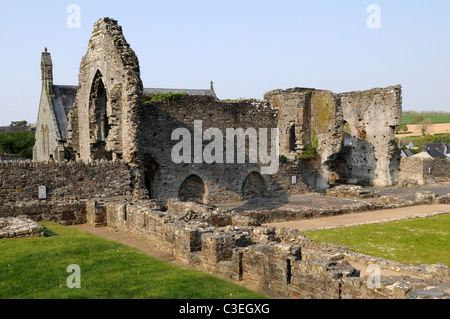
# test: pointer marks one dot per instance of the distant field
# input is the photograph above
(433, 129)
(408, 118)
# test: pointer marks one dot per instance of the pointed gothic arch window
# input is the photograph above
(98, 119)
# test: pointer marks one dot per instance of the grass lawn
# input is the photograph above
(416, 241)
(36, 268)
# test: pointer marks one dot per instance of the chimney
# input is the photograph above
(47, 73)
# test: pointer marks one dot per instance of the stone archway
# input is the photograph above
(101, 123)
(151, 174)
(254, 186)
(99, 126)
(193, 189)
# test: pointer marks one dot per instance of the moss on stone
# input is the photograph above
(323, 111)
(171, 97)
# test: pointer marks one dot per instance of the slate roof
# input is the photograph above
(62, 103)
(441, 147)
(407, 152)
(436, 154)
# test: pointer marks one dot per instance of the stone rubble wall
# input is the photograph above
(223, 181)
(318, 117)
(417, 171)
(20, 180)
(282, 263)
(63, 212)
(279, 262)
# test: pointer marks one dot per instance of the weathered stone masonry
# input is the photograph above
(122, 147)
(109, 121)
(279, 262)
(19, 180)
(102, 122)
(309, 117)
(222, 181)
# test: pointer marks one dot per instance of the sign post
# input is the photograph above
(42, 192)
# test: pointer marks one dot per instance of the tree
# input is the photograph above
(18, 124)
(404, 127)
(401, 128)
(417, 119)
(424, 125)
(19, 142)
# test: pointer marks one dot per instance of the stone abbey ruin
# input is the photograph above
(111, 165)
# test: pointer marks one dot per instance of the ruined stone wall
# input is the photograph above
(102, 122)
(309, 118)
(63, 212)
(20, 180)
(436, 170)
(411, 172)
(317, 118)
(223, 181)
(279, 262)
(418, 171)
(372, 116)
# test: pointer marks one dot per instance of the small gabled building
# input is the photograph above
(54, 106)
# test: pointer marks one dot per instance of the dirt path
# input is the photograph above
(377, 216)
(126, 239)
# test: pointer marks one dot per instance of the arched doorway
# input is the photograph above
(98, 119)
(292, 138)
(193, 189)
(253, 186)
(151, 171)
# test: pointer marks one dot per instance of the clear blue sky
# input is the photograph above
(246, 47)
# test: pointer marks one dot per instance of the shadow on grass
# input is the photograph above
(49, 233)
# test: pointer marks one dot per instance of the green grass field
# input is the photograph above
(435, 118)
(416, 241)
(36, 268)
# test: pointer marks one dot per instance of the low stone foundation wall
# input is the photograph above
(279, 262)
(65, 213)
(19, 227)
(282, 263)
(381, 202)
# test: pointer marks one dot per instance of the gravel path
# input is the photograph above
(378, 216)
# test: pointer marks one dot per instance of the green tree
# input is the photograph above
(424, 126)
(18, 124)
(19, 142)
(417, 119)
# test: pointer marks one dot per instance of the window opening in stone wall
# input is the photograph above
(288, 271)
(292, 138)
(99, 122)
